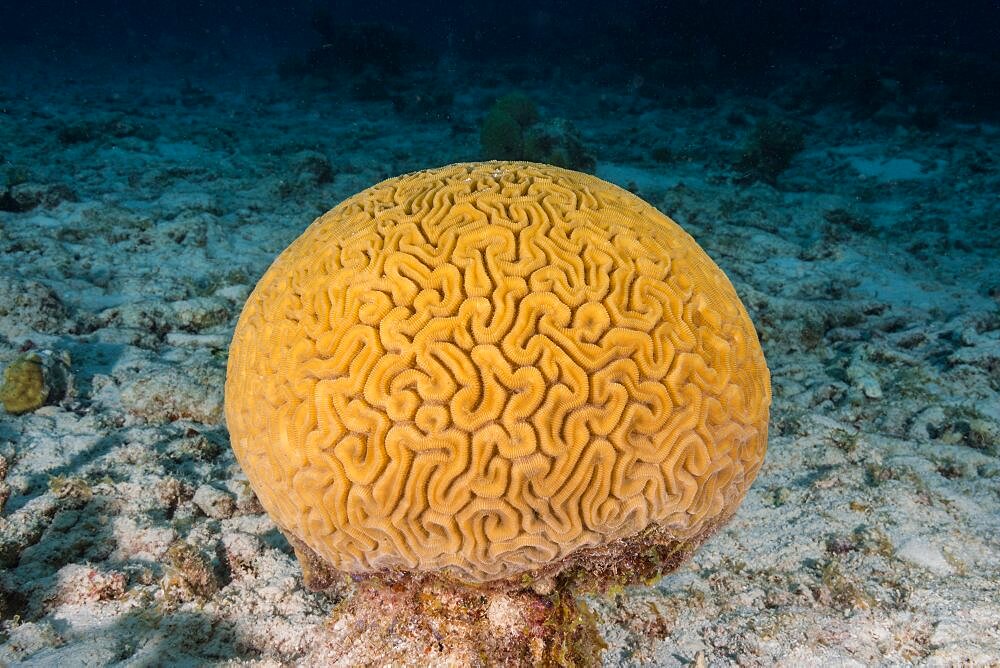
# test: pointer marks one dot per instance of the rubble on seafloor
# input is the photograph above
(867, 262)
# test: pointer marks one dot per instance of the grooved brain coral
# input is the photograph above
(483, 369)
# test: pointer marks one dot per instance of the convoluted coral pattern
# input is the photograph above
(483, 368)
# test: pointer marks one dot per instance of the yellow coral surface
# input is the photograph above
(483, 368)
(24, 387)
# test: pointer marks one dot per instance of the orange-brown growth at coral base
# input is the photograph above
(488, 369)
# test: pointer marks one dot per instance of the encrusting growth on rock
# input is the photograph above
(491, 377)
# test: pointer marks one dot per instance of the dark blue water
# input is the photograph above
(944, 55)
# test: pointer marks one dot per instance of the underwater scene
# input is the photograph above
(499, 334)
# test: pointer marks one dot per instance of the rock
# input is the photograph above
(78, 583)
(4, 485)
(28, 307)
(144, 543)
(146, 316)
(861, 373)
(982, 352)
(312, 168)
(237, 293)
(242, 551)
(191, 575)
(954, 645)
(159, 390)
(215, 502)
(176, 394)
(870, 387)
(27, 638)
(194, 315)
(544, 586)
(189, 228)
(174, 203)
(24, 527)
(557, 142)
(927, 423)
(171, 492)
(27, 196)
(505, 615)
(923, 553)
(308, 170)
(210, 341)
(247, 502)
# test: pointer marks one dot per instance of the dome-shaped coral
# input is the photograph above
(492, 368)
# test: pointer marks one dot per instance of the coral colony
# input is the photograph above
(471, 393)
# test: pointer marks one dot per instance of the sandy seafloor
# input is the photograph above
(872, 534)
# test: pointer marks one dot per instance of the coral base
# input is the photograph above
(539, 620)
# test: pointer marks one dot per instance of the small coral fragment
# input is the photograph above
(34, 380)
(24, 387)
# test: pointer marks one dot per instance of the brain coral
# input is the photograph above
(484, 369)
